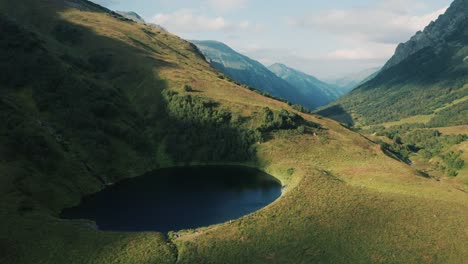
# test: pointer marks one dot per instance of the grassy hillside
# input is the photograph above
(89, 97)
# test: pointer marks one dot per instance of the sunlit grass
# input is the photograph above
(345, 201)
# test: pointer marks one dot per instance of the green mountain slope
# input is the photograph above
(89, 98)
(426, 74)
(320, 93)
(252, 73)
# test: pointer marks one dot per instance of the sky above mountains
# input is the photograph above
(323, 38)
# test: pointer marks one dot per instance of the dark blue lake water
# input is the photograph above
(178, 198)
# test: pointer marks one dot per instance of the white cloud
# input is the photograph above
(191, 21)
(401, 6)
(369, 33)
(387, 22)
(244, 24)
(186, 21)
(227, 5)
(378, 52)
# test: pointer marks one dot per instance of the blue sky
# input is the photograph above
(324, 38)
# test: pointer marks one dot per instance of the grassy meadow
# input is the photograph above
(345, 201)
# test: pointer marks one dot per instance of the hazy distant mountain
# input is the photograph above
(353, 80)
(427, 75)
(132, 16)
(252, 73)
(320, 93)
(137, 18)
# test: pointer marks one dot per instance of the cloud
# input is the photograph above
(191, 21)
(378, 52)
(226, 5)
(386, 22)
(244, 24)
(186, 21)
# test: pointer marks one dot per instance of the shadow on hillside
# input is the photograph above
(337, 113)
(99, 108)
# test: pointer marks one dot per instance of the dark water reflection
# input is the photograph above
(178, 198)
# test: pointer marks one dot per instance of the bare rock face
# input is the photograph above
(435, 35)
(157, 27)
(132, 16)
(138, 19)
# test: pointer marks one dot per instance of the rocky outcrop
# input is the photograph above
(435, 35)
(132, 16)
(138, 19)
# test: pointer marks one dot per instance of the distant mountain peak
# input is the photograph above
(435, 34)
(132, 16)
(280, 68)
(299, 89)
(309, 85)
(135, 15)
(279, 65)
(426, 76)
(214, 44)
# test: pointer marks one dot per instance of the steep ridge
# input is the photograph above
(429, 69)
(88, 98)
(436, 35)
(132, 16)
(320, 93)
(252, 73)
(137, 18)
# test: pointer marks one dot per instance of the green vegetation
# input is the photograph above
(208, 133)
(111, 104)
(424, 82)
(281, 120)
(410, 139)
(453, 162)
(301, 109)
(452, 116)
(188, 88)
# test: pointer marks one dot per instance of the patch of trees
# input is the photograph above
(279, 120)
(455, 115)
(410, 138)
(188, 88)
(200, 130)
(453, 162)
(301, 109)
(396, 150)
